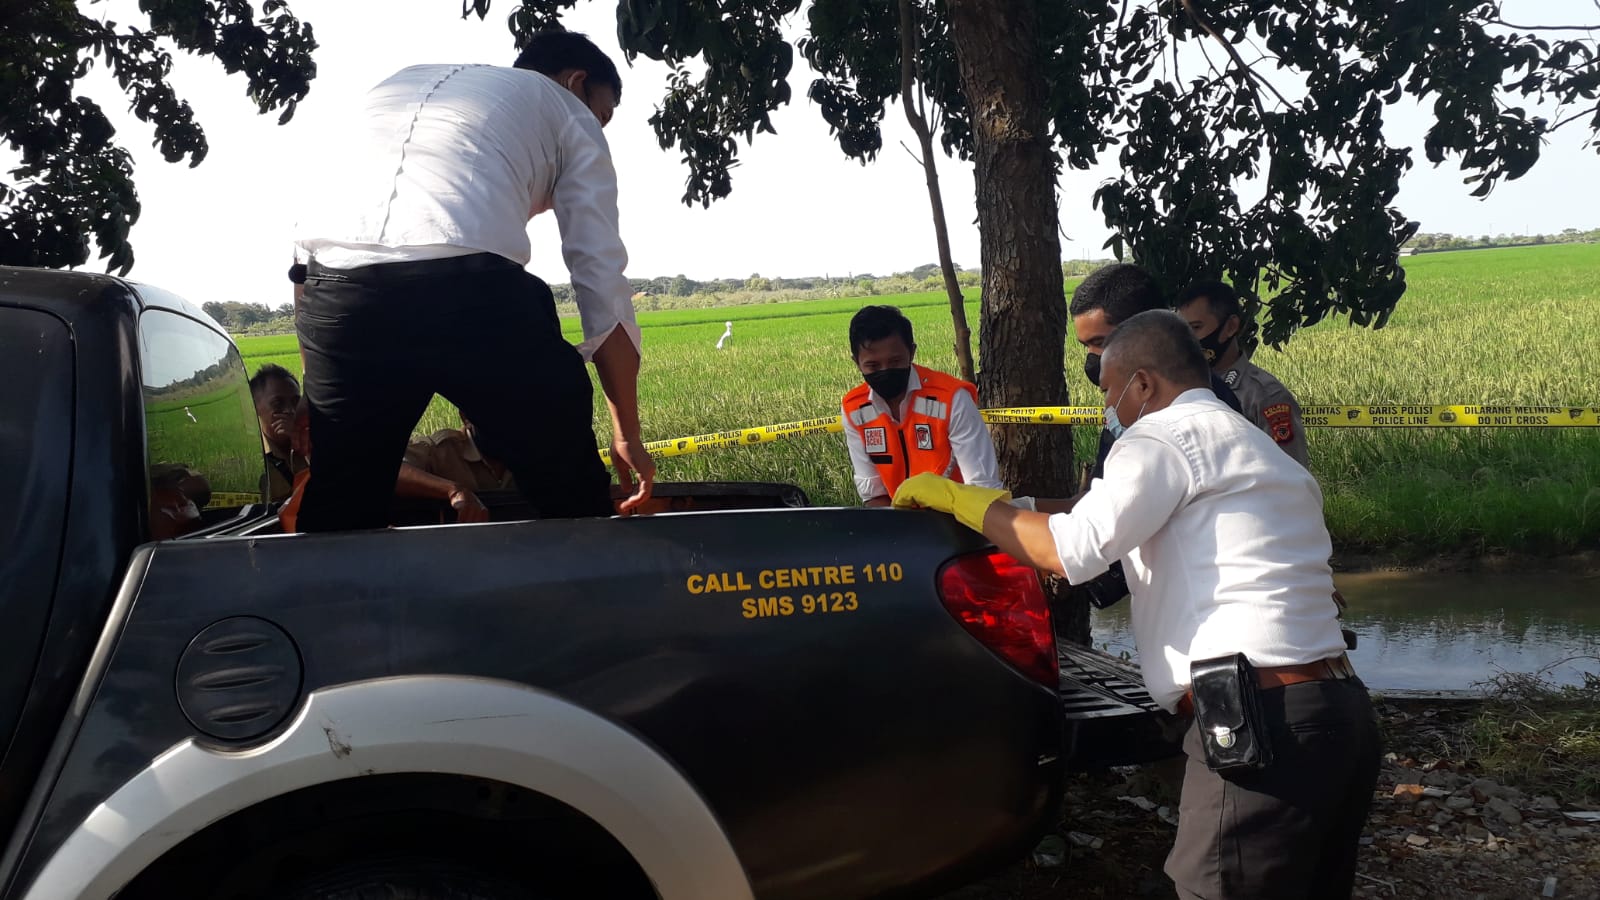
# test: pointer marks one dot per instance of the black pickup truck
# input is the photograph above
(781, 703)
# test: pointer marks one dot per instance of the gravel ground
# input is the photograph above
(1439, 828)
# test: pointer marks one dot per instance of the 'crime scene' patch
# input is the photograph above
(876, 439)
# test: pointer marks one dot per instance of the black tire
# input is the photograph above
(407, 879)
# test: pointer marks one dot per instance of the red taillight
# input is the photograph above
(999, 601)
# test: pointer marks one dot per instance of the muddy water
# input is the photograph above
(1443, 633)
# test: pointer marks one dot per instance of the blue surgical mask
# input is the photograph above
(1114, 421)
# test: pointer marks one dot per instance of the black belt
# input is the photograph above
(380, 273)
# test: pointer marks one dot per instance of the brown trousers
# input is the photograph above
(1290, 831)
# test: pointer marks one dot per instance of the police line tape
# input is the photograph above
(1457, 416)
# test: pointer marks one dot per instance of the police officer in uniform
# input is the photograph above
(276, 393)
(1213, 311)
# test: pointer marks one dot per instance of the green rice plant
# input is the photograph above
(1512, 326)
(206, 431)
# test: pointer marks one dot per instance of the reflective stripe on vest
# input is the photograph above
(920, 443)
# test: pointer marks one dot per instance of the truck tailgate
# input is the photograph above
(1110, 717)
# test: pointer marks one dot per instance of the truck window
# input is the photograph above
(200, 425)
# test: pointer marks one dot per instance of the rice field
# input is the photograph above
(1516, 326)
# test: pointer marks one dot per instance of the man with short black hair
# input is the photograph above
(905, 418)
(276, 393)
(1225, 541)
(1213, 311)
(1109, 296)
(414, 284)
(1106, 298)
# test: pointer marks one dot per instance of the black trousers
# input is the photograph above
(1292, 830)
(380, 341)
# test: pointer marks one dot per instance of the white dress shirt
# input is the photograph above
(1222, 538)
(451, 160)
(971, 449)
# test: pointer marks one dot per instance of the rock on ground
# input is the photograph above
(1438, 828)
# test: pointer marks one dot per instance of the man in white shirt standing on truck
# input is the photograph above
(1226, 551)
(415, 285)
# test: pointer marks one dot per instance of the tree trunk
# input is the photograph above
(1022, 327)
(916, 116)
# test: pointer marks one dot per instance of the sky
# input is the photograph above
(798, 206)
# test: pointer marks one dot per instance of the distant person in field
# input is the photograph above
(276, 393)
(414, 284)
(1213, 310)
(905, 419)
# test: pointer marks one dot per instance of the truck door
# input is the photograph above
(36, 416)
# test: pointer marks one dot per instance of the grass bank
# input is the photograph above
(1539, 734)
(1512, 326)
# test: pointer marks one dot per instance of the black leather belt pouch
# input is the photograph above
(1227, 710)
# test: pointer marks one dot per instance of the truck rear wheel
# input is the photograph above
(407, 879)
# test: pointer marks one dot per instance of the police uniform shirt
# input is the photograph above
(1222, 538)
(453, 456)
(278, 482)
(970, 444)
(1269, 404)
(452, 160)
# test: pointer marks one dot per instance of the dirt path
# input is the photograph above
(1440, 828)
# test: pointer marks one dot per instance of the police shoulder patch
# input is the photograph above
(1280, 422)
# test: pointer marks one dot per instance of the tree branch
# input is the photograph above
(1545, 27)
(910, 85)
(1246, 74)
(1593, 110)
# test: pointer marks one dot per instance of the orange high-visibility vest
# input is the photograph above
(289, 512)
(921, 441)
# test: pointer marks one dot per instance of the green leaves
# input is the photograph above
(1320, 235)
(75, 181)
(746, 66)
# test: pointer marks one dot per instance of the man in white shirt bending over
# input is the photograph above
(1226, 552)
(415, 284)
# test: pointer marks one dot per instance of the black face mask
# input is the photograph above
(1213, 344)
(1091, 368)
(890, 384)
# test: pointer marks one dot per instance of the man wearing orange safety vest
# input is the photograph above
(907, 419)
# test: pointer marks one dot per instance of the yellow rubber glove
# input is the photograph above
(966, 502)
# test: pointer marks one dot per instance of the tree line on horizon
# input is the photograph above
(682, 292)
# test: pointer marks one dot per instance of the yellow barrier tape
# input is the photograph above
(1398, 416)
(743, 437)
(1451, 416)
(1046, 415)
(221, 499)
